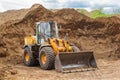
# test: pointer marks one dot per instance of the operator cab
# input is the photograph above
(45, 30)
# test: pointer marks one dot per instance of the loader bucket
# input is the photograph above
(75, 61)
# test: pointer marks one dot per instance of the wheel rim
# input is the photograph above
(27, 56)
(43, 58)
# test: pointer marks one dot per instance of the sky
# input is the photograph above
(58, 4)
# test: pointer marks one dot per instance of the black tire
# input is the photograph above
(75, 49)
(31, 61)
(50, 58)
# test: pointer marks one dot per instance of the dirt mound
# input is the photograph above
(112, 20)
(38, 12)
(111, 24)
(12, 15)
(70, 15)
(80, 28)
(102, 36)
(13, 32)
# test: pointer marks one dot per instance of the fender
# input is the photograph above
(30, 47)
(44, 45)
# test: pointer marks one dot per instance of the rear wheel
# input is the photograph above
(28, 57)
(75, 49)
(46, 58)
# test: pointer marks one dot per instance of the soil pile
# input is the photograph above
(37, 13)
(12, 15)
(13, 32)
(69, 15)
(113, 19)
(101, 35)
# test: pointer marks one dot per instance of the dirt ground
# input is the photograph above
(107, 70)
(101, 35)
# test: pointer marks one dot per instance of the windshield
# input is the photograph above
(47, 29)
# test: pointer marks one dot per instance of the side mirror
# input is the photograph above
(66, 36)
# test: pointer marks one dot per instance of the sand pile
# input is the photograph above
(12, 15)
(69, 16)
(13, 32)
(102, 35)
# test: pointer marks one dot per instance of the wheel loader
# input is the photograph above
(48, 50)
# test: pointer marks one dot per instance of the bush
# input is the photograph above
(100, 13)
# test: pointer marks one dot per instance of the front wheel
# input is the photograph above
(46, 58)
(28, 58)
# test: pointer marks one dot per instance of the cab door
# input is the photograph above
(40, 32)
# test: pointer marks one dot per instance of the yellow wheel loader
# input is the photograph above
(47, 49)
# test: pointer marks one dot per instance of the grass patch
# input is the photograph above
(99, 13)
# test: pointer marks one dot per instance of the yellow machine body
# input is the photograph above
(29, 40)
(67, 56)
(58, 45)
